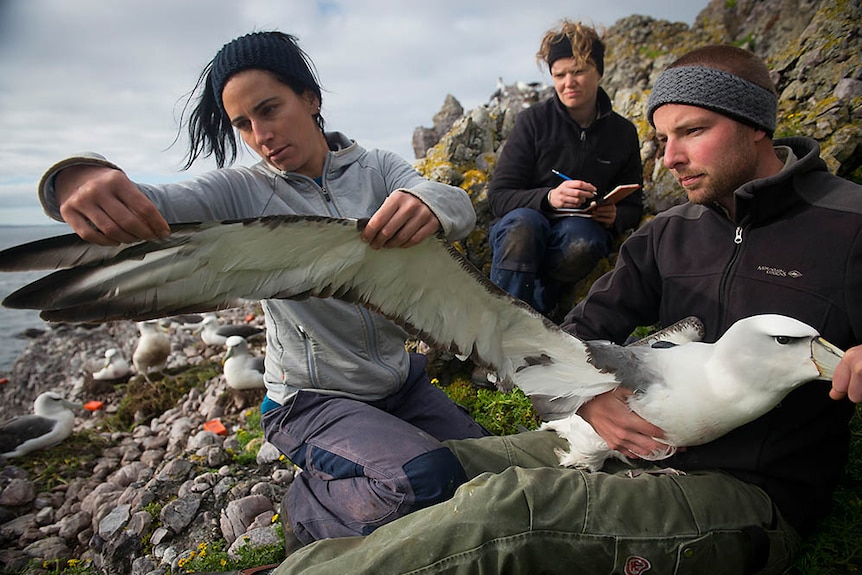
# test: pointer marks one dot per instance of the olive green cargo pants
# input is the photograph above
(522, 514)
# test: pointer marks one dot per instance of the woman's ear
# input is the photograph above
(312, 101)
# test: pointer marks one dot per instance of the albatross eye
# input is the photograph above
(783, 339)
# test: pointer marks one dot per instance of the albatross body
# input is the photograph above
(241, 370)
(215, 334)
(430, 289)
(115, 367)
(153, 348)
(697, 392)
(50, 423)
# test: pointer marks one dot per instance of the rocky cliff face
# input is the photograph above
(814, 49)
(149, 498)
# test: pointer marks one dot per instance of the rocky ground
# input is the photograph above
(144, 499)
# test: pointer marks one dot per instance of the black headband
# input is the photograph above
(561, 47)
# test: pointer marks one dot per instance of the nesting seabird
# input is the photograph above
(50, 423)
(115, 367)
(153, 348)
(192, 321)
(241, 370)
(212, 333)
(432, 291)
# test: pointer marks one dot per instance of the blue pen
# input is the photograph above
(598, 199)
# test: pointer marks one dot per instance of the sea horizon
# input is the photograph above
(15, 322)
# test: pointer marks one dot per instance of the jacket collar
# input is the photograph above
(342, 151)
(761, 199)
(603, 105)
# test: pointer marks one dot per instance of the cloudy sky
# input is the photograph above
(111, 76)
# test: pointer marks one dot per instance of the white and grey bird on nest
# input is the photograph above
(431, 290)
(50, 423)
(114, 368)
(241, 369)
(215, 334)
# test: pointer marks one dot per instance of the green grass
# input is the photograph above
(142, 400)
(74, 458)
(214, 557)
(63, 567)
(500, 413)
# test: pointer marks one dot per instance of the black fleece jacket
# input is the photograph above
(545, 138)
(795, 249)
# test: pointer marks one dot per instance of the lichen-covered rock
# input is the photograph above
(814, 49)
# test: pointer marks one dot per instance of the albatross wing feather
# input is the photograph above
(430, 289)
(20, 430)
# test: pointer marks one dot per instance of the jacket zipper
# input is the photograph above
(373, 348)
(309, 357)
(725, 279)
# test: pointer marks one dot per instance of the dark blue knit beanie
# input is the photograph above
(272, 51)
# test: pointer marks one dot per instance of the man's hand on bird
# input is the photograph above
(621, 428)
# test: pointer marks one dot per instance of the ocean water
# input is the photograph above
(13, 322)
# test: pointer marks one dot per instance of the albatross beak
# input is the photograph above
(72, 405)
(826, 357)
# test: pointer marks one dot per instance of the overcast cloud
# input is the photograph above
(111, 76)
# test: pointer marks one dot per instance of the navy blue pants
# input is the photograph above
(534, 257)
(366, 464)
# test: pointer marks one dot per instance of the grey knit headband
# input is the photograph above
(715, 90)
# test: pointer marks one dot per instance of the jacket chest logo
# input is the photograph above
(771, 271)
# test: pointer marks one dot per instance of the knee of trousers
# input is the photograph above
(520, 234)
(434, 476)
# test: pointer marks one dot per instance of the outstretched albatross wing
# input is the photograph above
(430, 289)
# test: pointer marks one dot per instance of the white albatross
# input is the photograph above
(432, 291)
(153, 348)
(242, 370)
(215, 334)
(50, 423)
(114, 368)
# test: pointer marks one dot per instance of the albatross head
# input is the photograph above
(783, 351)
(236, 346)
(51, 404)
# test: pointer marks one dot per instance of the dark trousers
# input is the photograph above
(535, 257)
(366, 464)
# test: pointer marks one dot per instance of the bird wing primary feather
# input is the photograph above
(684, 331)
(21, 429)
(429, 288)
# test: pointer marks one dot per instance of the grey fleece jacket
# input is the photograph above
(324, 345)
